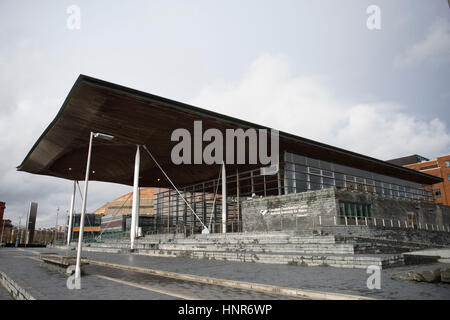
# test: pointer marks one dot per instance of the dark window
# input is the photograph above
(342, 208)
(300, 176)
(351, 210)
(301, 186)
(326, 165)
(328, 182)
(339, 178)
(437, 193)
(327, 173)
(430, 167)
(315, 183)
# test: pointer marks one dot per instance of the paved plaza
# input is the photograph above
(102, 282)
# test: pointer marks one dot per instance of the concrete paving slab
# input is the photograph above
(326, 279)
(103, 283)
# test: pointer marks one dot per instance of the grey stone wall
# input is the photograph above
(295, 211)
(397, 234)
(301, 211)
(398, 209)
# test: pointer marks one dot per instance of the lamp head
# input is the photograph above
(103, 136)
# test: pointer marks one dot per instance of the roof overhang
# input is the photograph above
(134, 117)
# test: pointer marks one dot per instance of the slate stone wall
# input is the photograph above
(398, 209)
(296, 211)
(301, 211)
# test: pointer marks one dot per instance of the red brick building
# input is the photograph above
(439, 167)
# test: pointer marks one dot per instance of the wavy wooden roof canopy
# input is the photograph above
(135, 117)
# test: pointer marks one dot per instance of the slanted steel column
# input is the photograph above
(83, 211)
(72, 208)
(135, 206)
(224, 199)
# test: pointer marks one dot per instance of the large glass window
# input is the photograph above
(315, 182)
(304, 173)
(339, 179)
(352, 210)
(301, 182)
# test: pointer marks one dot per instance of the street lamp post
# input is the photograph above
(83, 206)
(56, 227)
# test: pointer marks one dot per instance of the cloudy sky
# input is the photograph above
(311, 68)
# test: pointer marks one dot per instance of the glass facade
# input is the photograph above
(303, 174)
(297, 174)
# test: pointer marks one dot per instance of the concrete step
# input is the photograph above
(333, 260)
(298, 248)
(297, 240)
(230, 236)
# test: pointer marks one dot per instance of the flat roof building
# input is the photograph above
(358, 185)
(439, 167)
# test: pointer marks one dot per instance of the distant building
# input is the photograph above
(403, 161)
(439, 167)
(5, 231)
(91, 225)
(122, 205)
(116, 214)
(2, 210)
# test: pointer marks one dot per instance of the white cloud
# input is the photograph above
(269, 94)
(435, 46)
(20, 128)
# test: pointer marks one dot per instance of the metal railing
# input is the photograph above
(342, 220)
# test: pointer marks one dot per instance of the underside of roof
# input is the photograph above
(135, 117)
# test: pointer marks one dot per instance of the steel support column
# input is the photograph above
(135, 206)
(72, 208)
(224, 199)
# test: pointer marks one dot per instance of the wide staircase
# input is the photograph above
(274, 247)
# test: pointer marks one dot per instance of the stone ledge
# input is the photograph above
(16, 291)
